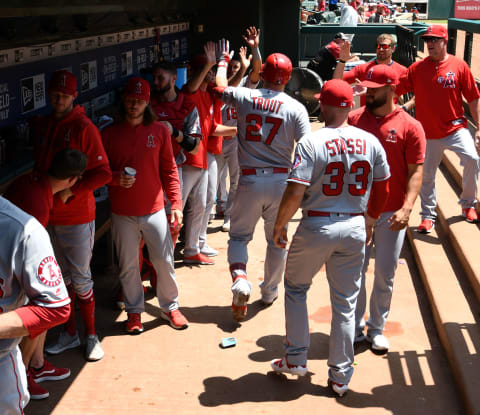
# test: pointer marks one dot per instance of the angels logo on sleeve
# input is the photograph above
(297, 161)
(49, 273)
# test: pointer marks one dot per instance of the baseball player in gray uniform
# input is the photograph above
(334, 171)
(33, 298)
(229, 157)
(269, 123)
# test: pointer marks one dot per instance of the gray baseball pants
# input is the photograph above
(462, 143)
(258, 196)
(211, 193)
(194, 189)
(227, 160)
(73, 246)
(338, 242)
(127, 232)
(14, 394)
(388, 245)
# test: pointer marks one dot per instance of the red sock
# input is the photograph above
(87, 310)
(71, 325)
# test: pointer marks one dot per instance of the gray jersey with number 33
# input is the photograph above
(339, 165)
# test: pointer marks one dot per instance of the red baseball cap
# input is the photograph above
(380, 75)
(336, 93)
(63, 81)
(137, 88)
(436, 30)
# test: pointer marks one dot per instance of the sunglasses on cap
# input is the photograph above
(384, 46)
(431, 39)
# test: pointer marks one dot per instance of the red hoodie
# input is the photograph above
(148, 149)
(78, 132)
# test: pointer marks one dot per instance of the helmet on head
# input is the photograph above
(277, 69)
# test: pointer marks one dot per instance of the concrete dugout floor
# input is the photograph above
(165, 371)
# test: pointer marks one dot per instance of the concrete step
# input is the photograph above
(462, 235)
(453, 308)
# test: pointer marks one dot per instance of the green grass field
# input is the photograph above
(439, 21)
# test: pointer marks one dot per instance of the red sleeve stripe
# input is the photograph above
(51, 302)
(381, 179)
(297, 180)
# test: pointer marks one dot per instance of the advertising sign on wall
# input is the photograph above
(467, 9)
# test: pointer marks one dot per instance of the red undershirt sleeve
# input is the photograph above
(37, 319)
(378, 198)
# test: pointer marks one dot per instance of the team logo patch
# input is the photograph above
(449, 80)
(49, 273)
(297, 161)
(392, 136)
(151, 141)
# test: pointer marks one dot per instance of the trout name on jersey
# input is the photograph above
(266, 104)
(49, 272)
(338, 146)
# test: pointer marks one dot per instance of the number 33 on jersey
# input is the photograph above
(341, 164)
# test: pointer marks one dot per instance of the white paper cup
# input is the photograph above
(130, 171)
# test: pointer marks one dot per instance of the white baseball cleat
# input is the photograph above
(93, 351)
(379, 342)
(281, 366)
(241, 290)
(207, 251)
(339, 388)
(226, 226)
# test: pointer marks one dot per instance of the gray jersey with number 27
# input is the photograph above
(269, 123)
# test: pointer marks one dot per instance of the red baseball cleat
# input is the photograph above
(470, 215)
(49, 372)
(176, 319)
(36, 391)
(134, 323)
(426, 226)
(199, 259)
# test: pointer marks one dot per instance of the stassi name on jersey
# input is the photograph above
(338, 146)
(265, 104)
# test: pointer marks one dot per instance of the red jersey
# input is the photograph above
(147, 149)
(33, 194)
(181, 113)
(204, 101)
(438, 89)
(214, 145)
(334, 48)
(403, 139)
(360, 72)
(78, 132)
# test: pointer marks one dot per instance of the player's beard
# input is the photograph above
(160, 91)
(134, 115)
(374, 103)
(61, 112)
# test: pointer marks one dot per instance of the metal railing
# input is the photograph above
(313, 37)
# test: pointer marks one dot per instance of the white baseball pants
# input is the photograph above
(462, 143)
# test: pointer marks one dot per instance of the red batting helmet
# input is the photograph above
(277, 69)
